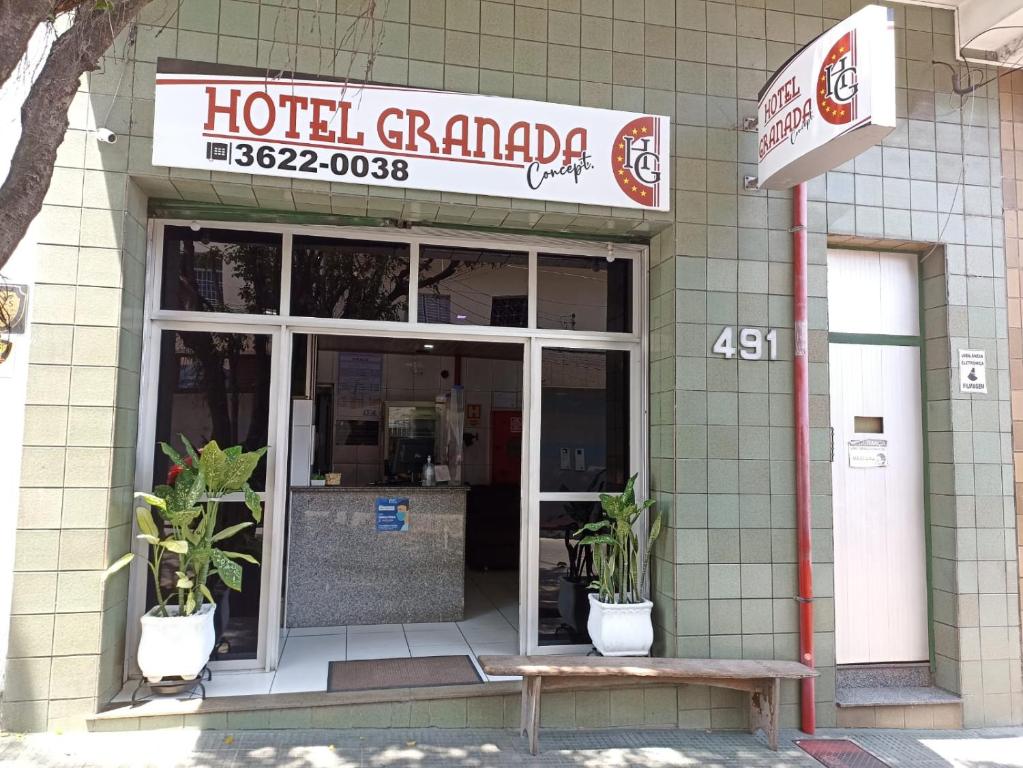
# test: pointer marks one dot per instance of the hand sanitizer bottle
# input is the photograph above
(429, 476)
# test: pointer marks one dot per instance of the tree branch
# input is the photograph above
(44, 115)
(19, 19)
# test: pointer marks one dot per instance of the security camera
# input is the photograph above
(106, 136)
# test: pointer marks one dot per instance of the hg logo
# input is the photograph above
(837, 85)
(635, 160)
(840, 80)
(642, 160)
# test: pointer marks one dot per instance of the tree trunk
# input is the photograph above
(44, 115)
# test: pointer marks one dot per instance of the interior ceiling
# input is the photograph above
(441, 347)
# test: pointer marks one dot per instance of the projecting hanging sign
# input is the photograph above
(388, 136)
(828, 103)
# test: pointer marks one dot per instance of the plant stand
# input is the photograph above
(173, 686)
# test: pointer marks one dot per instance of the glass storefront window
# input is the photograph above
(221, 270)
(349, 279)
(213, 386)
(583, 293)
(584, 420)
(216, 386)
(469, 286)
(566, 571)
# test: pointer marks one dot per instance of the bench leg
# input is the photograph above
(524, 716)
(531, 712)
(763, 713)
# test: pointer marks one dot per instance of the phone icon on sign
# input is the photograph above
(217, 150)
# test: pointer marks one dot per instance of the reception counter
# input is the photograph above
(349, 564)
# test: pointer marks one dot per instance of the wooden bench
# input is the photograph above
(760, 678)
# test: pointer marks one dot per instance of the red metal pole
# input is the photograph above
(801, 396)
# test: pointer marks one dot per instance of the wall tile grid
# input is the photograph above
(721, 438)
(1011, 133)
(74, 516)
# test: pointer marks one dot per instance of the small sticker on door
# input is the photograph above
(868, 453)
(973, 371)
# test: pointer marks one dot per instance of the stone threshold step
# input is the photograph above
(892, 675)
(883, 696)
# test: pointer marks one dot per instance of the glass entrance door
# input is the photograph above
(218, 385)
(583, 413)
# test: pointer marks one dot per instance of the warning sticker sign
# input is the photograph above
(869, 453)
(973, 371)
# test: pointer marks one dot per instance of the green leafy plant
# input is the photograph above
(189, 505)
(621, 571)
(317, 476)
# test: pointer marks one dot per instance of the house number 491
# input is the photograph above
(751, 343)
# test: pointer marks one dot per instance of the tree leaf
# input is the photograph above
(206, 593)
(655, 531)
(229, 532)
(146, 523)
(190, 450)
(118, 564)
(229, 571)
(189, 604)
(239, 469)
(171, 454)
(242, 556)
(253, 502)
(183, 581)
(151, 500)
(213, 463)
(151, 540)
(604, 539)
(176, 545)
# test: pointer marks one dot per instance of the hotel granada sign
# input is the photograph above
(216, 119)
(828, 103)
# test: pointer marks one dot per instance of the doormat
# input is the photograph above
(839, 753)
(372, 674)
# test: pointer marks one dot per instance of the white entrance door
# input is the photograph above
(877, 468)
(880, 574)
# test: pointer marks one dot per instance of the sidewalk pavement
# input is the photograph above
(471, 748)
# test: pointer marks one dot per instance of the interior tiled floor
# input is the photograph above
(490, 627)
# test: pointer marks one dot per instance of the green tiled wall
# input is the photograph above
(721, 437)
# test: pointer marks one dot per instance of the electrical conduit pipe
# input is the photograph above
(801, 397)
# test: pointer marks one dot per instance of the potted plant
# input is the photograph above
(178, 632)
(620, 622)
(317, 480)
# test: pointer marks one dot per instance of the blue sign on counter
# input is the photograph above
(392, 514)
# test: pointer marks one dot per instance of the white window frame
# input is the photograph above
(282, 328)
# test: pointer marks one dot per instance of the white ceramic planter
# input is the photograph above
(176, 646)
(621, 629)
(317, 483)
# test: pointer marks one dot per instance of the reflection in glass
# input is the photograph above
(584, 420)
(221, 270)
(582, 293)
(566, 571)
(470, 286)
(236, 620)
(213, 386)
(349, 279)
